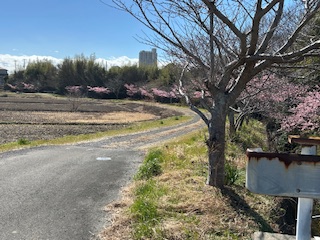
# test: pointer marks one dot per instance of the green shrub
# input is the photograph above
(23, 141)
(151, 165)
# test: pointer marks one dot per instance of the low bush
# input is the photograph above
(23, 141)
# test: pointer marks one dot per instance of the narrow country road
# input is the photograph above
(59, 192)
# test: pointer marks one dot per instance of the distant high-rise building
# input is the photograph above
(148, 58)
(3, 76)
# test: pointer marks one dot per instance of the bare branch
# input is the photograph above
(187, 98)
(272, 28)
(297, 31)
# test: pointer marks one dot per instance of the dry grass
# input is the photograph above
(190, 209)
(120, 226)
(75, 117)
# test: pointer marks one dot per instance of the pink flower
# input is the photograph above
(98, 90)
(74, 89)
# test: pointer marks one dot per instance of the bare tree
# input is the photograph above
(231, 41)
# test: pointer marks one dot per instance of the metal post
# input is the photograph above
(305, 206)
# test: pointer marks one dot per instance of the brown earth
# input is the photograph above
(36, 116)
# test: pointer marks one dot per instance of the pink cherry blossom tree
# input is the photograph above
(132, 90)
(98, 92)
(230, 42)
(270, 96)
(75, 95)
(305, 116)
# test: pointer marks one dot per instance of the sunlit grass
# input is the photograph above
(135, 127)
(187, 208)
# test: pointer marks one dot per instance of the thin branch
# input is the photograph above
(188, 101)
(212, 7)
(272, 29)
(295, 34)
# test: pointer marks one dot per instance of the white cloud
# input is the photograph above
(120, 61)
(12, 63)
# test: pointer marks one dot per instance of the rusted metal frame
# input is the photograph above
(310, 141)
(286, 158)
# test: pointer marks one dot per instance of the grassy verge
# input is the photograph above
(170, 200)
(140, 126)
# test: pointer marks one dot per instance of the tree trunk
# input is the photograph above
(216, 146)
(232, 125)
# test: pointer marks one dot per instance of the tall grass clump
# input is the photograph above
(151, 165)
(232, 173)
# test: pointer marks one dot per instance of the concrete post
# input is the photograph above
(305, 205)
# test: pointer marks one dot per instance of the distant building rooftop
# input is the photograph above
(3, 75)
(148, 58)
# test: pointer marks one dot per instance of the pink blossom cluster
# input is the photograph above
(13, 87)
(160, 93)
(306, 115)
(28, 86)
(22, 87)
(131, 89)
(272, 96)
(198, 94)
(74, 89)
(98, 90)
(142, 92)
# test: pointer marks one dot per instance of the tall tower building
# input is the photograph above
(148, 58)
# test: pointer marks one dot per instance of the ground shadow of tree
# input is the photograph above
(242, 207)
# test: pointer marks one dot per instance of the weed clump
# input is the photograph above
(151, 166)
(232, 173)
(23, 141)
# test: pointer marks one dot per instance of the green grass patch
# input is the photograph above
(251, 135)
(151, 166)
(173, 201)
(144, 209)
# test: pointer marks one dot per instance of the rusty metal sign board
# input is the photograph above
(283, 174)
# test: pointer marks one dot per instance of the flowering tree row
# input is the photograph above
(132, 91)
(285, 106)
(21, 87)
(136, 92)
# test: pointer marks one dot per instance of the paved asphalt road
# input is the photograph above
(59, 192)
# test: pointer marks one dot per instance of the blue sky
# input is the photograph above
(65, 28)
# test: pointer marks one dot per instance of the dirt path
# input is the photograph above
(146, 139)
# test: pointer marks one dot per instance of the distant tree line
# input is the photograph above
(92, 79)
(285, 104)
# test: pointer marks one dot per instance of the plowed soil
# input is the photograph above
(37, 116)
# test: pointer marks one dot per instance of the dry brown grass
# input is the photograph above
(75, 117)
(190, 209)
(120, 225)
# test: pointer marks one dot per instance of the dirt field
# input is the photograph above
(38, 116)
